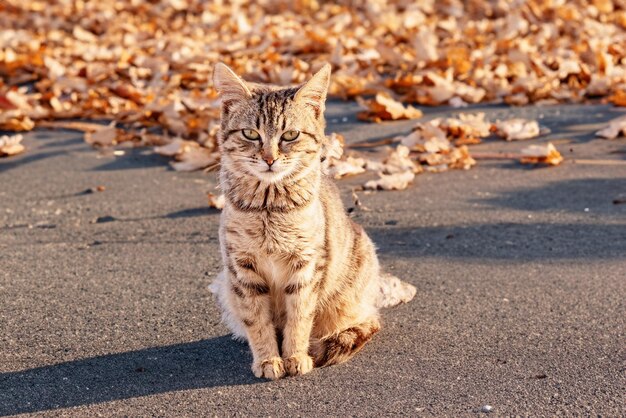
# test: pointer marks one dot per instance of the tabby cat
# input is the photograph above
(301, 281)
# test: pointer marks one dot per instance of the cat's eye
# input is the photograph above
(290, 135)
(251, 134)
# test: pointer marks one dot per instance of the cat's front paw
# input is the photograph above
(272, 368)
(298, 364)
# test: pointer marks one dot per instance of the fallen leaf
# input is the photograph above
(618, 98)
(105, 136)
(541, 154)
(346, 167)
(195, 158)
(466, 128)
(457, 157)
(396, 181)
(398, 161)
(460, 158)
(617, 127)
(517, 129)
(15, 121)
(10, 145)
(334, 146)
(457, 102)
(216, 201)
(426, 137)
(383, 107)
(175, 147)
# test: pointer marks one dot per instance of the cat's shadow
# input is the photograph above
(219, 361)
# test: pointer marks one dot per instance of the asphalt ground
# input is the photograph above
(520, 271)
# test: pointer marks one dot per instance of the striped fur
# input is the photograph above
(301, 281)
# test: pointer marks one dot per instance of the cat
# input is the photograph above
(301, 281)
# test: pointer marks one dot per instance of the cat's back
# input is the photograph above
(330, 199)
(345, 240)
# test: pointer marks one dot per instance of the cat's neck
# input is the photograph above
(249, 194)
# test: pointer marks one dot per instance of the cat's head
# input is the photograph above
(269, 132)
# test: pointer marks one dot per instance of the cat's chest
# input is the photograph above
(271, 235)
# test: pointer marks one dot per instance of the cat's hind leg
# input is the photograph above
(340, 347)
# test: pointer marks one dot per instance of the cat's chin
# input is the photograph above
(271, 176)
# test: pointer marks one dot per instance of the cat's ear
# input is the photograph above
(313, 92)
(229, 85)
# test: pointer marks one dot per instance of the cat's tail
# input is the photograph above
(393, 291)
(341, 346)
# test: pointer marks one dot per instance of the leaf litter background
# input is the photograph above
(139, 71)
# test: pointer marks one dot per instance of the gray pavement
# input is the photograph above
(521, 278)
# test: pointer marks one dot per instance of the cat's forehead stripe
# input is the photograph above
(271, 110)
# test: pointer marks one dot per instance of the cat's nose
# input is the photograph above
(269, 160)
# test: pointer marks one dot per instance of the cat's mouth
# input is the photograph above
(271, 174)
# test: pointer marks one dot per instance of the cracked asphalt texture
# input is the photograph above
(521, 278)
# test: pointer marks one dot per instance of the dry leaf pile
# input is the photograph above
(439, 145)
(148, 64)
(442, 143)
